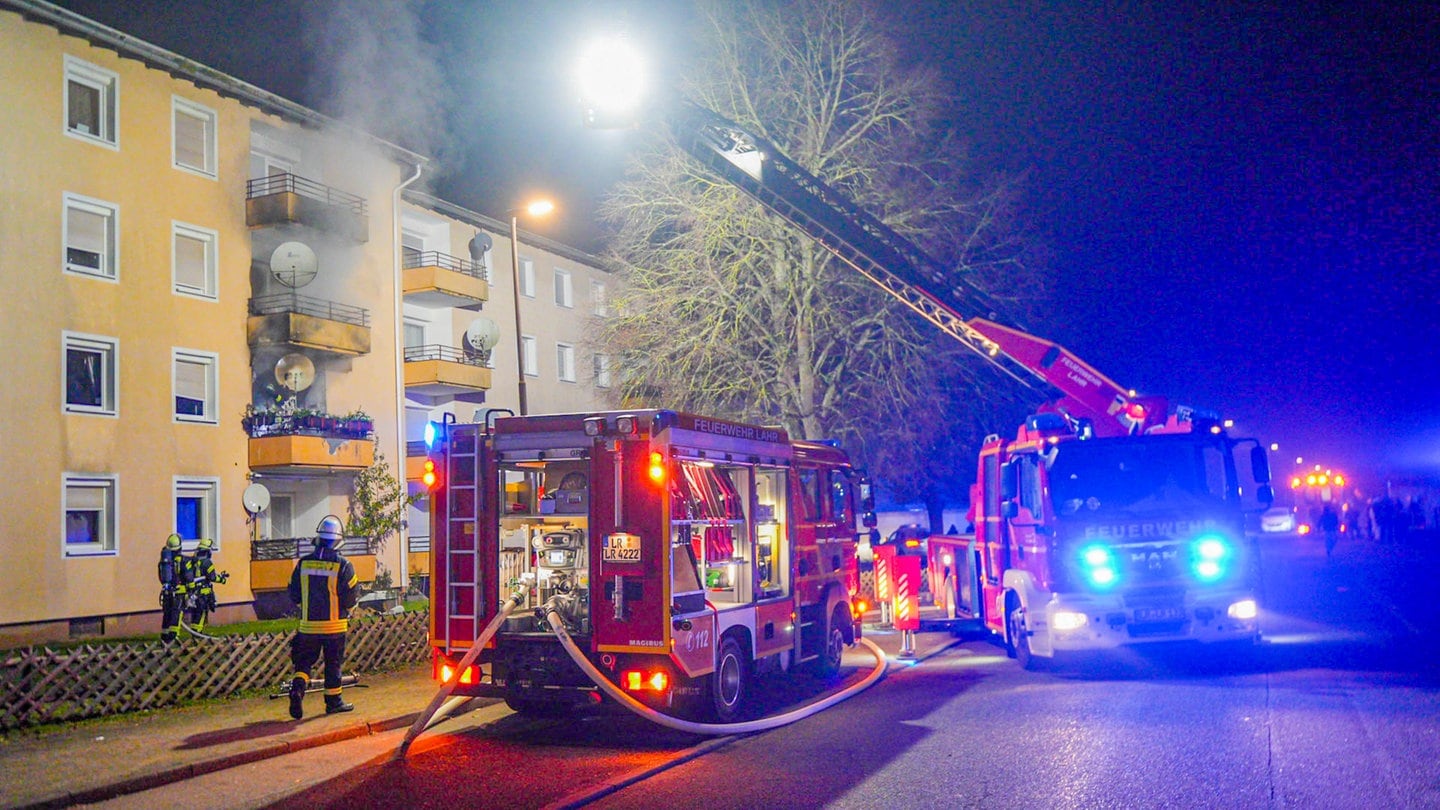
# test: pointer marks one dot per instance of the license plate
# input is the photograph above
(621, 547)
(1159, 614)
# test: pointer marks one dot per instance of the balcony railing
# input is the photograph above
(415, 354)
(431, 258)
(294, 184)
(281, 303)
(293, 548)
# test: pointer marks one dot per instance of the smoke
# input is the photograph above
(375, 70)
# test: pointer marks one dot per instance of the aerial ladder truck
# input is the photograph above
(1110, 518)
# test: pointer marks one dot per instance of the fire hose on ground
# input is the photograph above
(551, 615)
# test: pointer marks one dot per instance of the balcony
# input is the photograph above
(287, 199)
(437, 374)
(415, 455)
(272, 561)
(436, 280)
(291, 319)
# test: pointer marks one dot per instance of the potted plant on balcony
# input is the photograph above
(358, 424)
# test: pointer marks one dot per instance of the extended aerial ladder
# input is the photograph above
(937, 293)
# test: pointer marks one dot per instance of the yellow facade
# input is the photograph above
(141, 463)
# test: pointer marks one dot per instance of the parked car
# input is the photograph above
(1278, 520)
(909, 540)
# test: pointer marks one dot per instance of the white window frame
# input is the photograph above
(108, 523)
(210, 125)
(598, 294)
(564, 289)
(109, 269)
(210, 240)
(106, 84)
(207, 489)
(602, 370)
(210, 361)
(529, 356)
(109, 349)
(565, 362)
(527, 277)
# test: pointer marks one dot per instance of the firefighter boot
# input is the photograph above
(297, 697)
(334, 704)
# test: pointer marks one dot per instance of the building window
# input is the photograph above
(196, 376)
(196, 261)
(91, 367)
(92, 102)
(598, 294)
(414, 334)
(563, 295)
(528, 360)
(197, 508)
(194, 136)
(602, 371)
(91, 230)
(90, 503)
(565, 362)
(527, 277)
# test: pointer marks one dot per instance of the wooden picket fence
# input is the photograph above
(41, 685)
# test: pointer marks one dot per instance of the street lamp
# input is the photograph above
(536, 208)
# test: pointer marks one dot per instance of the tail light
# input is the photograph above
(430, 477)
(657, 467)
(638, 680)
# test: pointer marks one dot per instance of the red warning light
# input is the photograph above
(1135, 411)
(657, 467)
(429, 477)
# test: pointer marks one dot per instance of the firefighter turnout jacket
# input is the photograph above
(324, 586)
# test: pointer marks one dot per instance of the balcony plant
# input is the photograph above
(357, 423)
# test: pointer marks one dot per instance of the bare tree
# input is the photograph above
(726, 308)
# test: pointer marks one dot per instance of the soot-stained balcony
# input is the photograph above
(288, 199)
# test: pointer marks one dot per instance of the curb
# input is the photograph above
(181, 773)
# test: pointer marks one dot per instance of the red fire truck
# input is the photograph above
(684, 555)
(1110, 518)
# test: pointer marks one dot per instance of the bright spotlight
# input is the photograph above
(612, 82)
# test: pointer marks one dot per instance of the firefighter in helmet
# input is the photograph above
(324, 587)
(172, 570)
(201, 582)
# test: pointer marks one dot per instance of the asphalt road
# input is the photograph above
(1340, 708)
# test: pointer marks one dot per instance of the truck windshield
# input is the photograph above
(1144, 475)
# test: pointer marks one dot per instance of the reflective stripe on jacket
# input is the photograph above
(323, 585)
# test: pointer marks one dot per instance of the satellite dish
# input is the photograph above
(481, 335)
(295, 371)
(479, 243)
(255, 498)
(293, 264)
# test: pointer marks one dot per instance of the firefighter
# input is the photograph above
(324, 587)
(172, 570)
(201, 580)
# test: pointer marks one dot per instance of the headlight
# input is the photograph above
(1244, 609)
(1067, 620)
(1099, 566)
(1210, 556)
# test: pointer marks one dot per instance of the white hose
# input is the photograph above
(435, 709)
(763, 724)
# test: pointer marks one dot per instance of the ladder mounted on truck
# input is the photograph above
(893, 263)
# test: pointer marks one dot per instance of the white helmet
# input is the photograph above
(329, 532)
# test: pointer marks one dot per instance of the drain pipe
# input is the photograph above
(435, 709)
(764, 724)
(398, 262)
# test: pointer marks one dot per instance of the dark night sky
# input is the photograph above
(1240, 203)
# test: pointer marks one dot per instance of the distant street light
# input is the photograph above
(535, 208)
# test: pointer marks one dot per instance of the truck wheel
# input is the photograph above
(828, 664)
(1017, 635)
(730, 682)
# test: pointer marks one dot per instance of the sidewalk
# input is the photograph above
(99, 760)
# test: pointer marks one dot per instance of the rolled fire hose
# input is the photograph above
(435, 709)
(763, 724)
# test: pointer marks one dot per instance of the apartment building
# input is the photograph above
(219, 307)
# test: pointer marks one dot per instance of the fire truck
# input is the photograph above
(1110, 518)
(683, 554)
